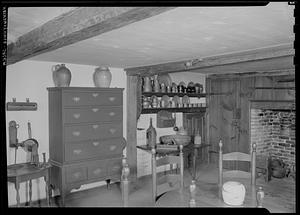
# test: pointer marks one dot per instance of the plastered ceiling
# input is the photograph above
(175, 35)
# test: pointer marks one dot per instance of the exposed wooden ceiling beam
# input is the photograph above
(76, 25)
(211, 62)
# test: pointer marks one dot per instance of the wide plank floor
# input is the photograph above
(283, 191)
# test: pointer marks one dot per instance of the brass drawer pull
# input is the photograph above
(95, 143)
(77, 151)
(76, 133)
(95, 94)
(112, 130)
(116, 168)
(111, 148)
(112, 99)
(97, 171)
(77, 174)
(112, 113)
(76, 99)
(95, 110)
(76, 115)
(95, 126)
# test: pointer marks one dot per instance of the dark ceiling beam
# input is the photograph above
(74, 26)
(208, 64)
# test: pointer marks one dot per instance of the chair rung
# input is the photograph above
(237, 174)
(168, 160)
(236, 156)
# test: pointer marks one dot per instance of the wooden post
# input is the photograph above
(220, 164)
(131, 151)
(153, 166)
(125, 182)
(193, 194)
(181, 166)
(253, 164)
(207, 119)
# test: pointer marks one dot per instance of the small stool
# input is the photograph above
(18, 173)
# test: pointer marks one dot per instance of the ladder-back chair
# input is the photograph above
(237, 156)
(169, 181)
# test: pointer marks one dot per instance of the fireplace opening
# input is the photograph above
(273, 130)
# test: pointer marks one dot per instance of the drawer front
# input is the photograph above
(112, 147)
(76, 174)
(92, 98)
(93, 114)
(97, 169)
(114, 166)
(93, 131)
(91, 149)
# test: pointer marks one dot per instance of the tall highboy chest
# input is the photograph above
(85, 136)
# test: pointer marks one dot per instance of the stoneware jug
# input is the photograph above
(147, 87)
(102, 77)
(61, 75)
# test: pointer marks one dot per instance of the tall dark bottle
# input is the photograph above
(151, 135)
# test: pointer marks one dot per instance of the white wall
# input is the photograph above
(30, 79)
(144, 158)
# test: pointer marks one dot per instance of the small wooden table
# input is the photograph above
(194, 148)
(18, 173)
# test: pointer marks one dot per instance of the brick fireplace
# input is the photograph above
(274, 132)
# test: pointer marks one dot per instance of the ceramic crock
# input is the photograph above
(102, 77)
(233, 193)
(61, 75)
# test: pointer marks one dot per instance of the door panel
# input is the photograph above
(222, 109)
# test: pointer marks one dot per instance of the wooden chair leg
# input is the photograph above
(30, 192)
(17, 186)
(46, 178)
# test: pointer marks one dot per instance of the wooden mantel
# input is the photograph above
(74, 26)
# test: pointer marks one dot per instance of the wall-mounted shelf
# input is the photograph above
(182, 109)
(21, 106)
(160, 94)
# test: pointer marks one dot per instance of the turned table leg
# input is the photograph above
(46, 178)
(194, 163)
(17, 186)
(30, 192)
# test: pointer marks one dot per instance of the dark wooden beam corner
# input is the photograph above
(74, 26)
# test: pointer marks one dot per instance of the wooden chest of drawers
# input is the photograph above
(85, 136)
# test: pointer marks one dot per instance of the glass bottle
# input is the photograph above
(151, 135)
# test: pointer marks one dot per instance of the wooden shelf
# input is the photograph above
(149, 94)
(183, 110)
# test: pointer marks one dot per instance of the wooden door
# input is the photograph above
(246, 92)
(222, 109)
(229, 118)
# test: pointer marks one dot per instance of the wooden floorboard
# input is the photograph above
(282, 192)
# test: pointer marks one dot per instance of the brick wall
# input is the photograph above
(274, 133)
